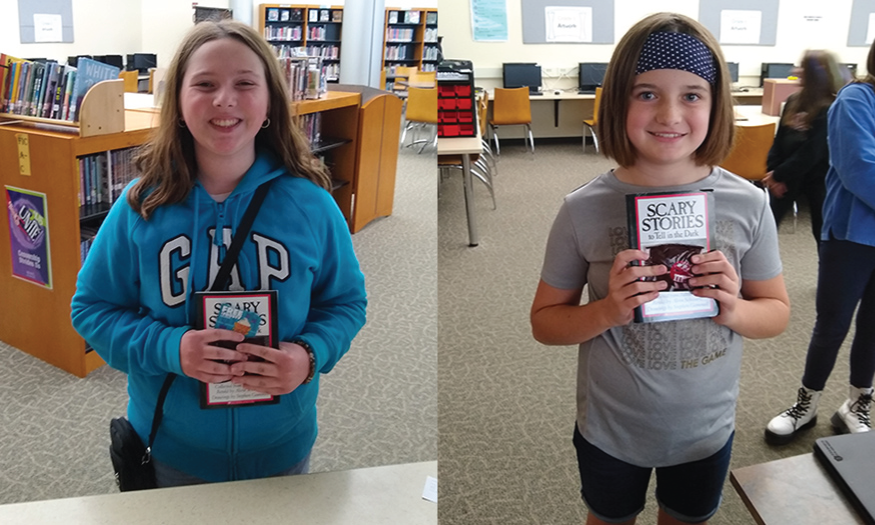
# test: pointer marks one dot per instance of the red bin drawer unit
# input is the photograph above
(456, 108)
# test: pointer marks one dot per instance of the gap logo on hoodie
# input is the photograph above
(272, 263)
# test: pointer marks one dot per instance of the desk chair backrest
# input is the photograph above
(402, 77)
(422, 105)
(511, 106)
(131, 81)
(596, 105)
(750, 153)
(482, 110)
(421, 78)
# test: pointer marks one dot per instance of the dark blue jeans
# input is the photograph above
(845, 278)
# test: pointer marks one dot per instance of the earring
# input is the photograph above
(180, 122)
(265, 124)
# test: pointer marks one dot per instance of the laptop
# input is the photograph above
(850, 461)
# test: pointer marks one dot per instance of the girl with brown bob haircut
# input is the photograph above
(619, 79)
(659, 395)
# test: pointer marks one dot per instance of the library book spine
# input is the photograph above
(671, 228)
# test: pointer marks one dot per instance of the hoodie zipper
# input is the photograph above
(219, 235)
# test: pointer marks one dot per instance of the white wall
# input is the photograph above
(100, 27)
(559, 61)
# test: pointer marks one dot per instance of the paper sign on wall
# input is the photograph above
(47, 28)
(870, 31)
(740, 27)
(568, 24)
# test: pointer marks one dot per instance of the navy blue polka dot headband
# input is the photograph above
(677, 51)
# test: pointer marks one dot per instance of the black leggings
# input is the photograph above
(846, 276)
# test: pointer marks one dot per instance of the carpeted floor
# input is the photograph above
(506, 403)
(377, 407)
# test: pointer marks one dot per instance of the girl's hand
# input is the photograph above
(625, 289)
(777, 189)
(202, 360)
(279, 371)
(716, 278)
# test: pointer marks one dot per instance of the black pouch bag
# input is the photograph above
(131, 460)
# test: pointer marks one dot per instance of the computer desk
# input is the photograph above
(577, 107)
(792, 491)
(367, 496)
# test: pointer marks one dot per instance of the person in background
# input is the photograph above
(799, 157)
(666, 117)
(225, 129)
(846, 274)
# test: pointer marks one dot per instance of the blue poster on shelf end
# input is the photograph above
(29, 235)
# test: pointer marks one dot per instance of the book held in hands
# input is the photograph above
(251, 313)
(671, 228)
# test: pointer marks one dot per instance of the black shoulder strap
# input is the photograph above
(240, 236)
(218, 284)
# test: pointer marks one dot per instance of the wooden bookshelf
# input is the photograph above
(36, 319)
(410, 39)
(318, 28)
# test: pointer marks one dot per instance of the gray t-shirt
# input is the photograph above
(658, 394)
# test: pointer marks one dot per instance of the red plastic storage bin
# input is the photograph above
(449, 117)
(449, 130)
(463, 103)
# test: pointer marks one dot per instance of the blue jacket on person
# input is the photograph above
(849, 208)
(133, 304)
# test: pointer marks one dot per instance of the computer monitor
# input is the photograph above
(517, 75)
(776, 70)
(141, 61)
(113, 60)
(591, 76)
(851, 70)
(733, 72)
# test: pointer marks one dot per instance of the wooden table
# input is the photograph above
(465, 146)
(369, 496)
(792, 491)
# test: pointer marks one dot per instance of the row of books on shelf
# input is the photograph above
(404, 17)
(428, 67)
(103, 176)
(306, 76)
(311, 125)
(283, 33)
(398, 53)
(48, 89)
(399, 34)
(87, 233)
(275, 14)
(430, 53)
(430, 35)
(278, 14)
(322, 33)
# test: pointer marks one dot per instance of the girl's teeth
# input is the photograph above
(224, 123)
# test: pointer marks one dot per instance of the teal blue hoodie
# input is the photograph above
(132, 304)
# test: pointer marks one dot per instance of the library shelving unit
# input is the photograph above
(410, 39)
(360, 131)
(36, 318)
(318, 28)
